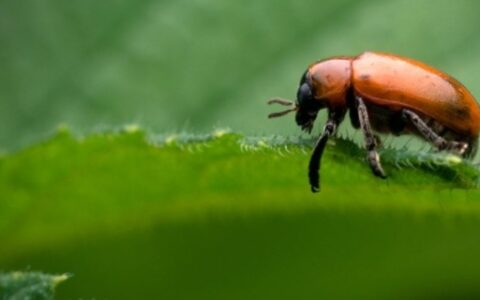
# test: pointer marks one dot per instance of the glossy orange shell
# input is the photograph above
(398, 82)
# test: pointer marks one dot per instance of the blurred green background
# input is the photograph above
(118, 213)
(195, 65)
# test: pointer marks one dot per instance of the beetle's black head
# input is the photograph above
(307, 106)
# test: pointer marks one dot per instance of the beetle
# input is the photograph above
(384, 93)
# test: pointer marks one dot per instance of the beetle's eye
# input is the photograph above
(304, 94)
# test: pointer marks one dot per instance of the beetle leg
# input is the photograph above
(370, 141)
(432, 136)
(314, 165)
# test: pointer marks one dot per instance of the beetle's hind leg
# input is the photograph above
(429, 134)
(370, 138)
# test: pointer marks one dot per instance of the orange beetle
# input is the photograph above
(385, 93)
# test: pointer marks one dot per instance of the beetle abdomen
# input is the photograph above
(396, 82)
(384, 120)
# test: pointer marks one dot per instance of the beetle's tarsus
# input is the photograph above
(314, 165)
(374, 161)
(457, 147)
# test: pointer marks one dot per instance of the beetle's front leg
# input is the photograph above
(314, 165)
(370, 141)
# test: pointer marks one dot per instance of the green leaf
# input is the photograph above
(29, 285)
(223, 216)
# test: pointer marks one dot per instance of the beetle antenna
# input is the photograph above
(280, 101)
(281, 113)
(283, 102)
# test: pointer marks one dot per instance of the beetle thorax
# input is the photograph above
(331, 80)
